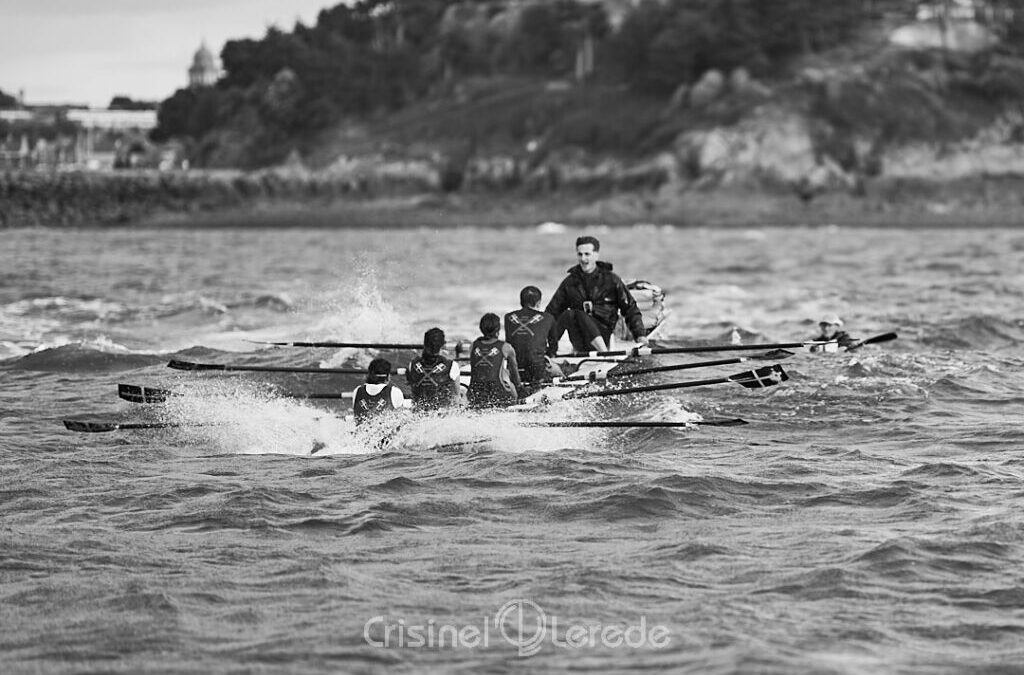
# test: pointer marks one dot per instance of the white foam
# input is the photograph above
(237, 418)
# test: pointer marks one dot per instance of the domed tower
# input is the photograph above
(203, 72)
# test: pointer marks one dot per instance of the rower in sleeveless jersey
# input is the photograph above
(494, 370)
(433, 378)
(377, 396)
(531, 333)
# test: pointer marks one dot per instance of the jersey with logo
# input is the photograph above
(529, 331)
(489, 383)
(366, 405)
(432, 386)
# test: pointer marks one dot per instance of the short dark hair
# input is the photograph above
(433, 341)
(529, 296)
(378, 371)
(490, 324)
(587, 239)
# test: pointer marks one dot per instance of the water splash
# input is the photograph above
(240, 418)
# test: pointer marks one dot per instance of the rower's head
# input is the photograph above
(588, 252)
(378, 372)
(830, 325)
(529, 296)
(433, 341)
(490, 324)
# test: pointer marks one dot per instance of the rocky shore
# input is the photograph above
(645, 195)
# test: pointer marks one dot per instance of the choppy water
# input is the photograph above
(868, 520)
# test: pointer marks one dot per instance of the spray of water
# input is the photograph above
(240, 418)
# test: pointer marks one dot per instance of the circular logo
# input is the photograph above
(523, 625)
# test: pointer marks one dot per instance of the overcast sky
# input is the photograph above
(87, 51)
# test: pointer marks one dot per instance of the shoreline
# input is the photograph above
(226, 200)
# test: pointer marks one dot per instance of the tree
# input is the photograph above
(7, 101)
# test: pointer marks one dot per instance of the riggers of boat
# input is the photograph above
(594, 375)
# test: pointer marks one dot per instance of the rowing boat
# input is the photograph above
(589, 377)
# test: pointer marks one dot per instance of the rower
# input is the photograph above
(377, 396)
(588, 301)
(830, 330)
(433, 378)
(494, 370)
(531, 333)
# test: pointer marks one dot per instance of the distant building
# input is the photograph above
(52, 136)
(203, 71)
(113, 120)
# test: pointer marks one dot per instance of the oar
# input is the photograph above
(767, 356)
(97, 427)
(343, 345)
(137, 394)
(717, 422)
(188, 365)
(768, 376)
(884, 337)
(648, 351)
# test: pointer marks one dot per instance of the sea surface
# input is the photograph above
(868, 519)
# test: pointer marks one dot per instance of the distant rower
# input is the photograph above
(494, 376)
(830, 328)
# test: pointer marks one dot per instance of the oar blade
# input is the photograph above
(89, 427)
(98, 427)
(723, 422)
(136, 394)
(189, 365)
(877, 339)
(773, 355)
(768, 376)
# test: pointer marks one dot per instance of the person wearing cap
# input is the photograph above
(588, 301)
(531, 333)
(377, 396)
(830, 330)
(434, 379)
(494, 371)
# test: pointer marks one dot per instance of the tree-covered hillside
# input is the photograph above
(481, 72)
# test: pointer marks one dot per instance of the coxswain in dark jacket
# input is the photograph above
(494, 371)
(531, 333)
(596, 300)
(433, 379)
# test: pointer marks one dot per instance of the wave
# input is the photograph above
(820, 584)
(915, 558)
(975, 332)
(66, 309)
(99, 355)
